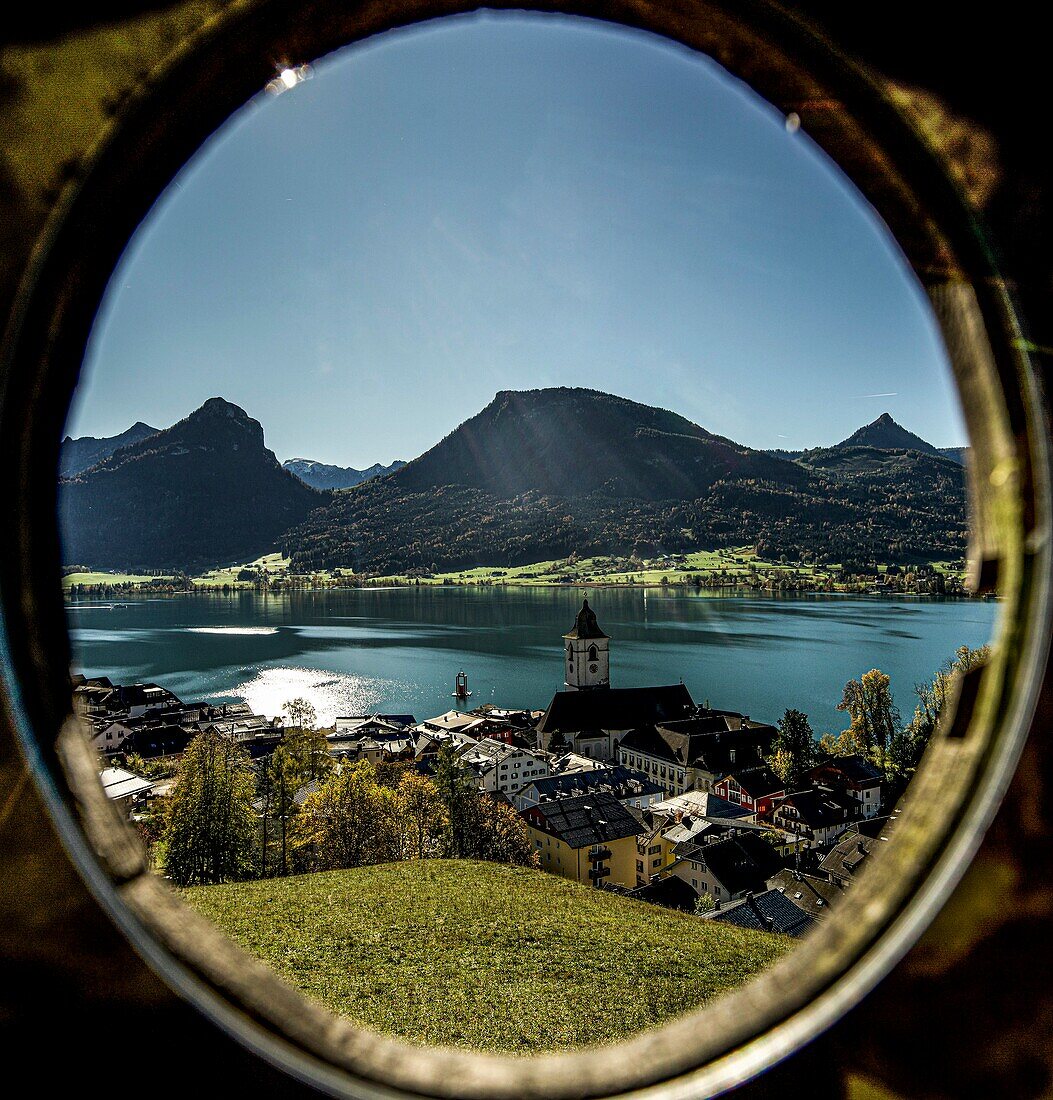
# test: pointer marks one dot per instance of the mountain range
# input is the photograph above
(204, 491)
(319, 475)
(78, 455)
(534, 475)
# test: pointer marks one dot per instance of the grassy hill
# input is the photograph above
(482, 955)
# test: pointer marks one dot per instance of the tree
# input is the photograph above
(794, 748)
(425, 825)
(558, 743)
(350, 821)
(307, 744)
(457, 790)
(873, 713)
(284, 777)
(704, 903)
(909, 745)
(211, 825)
(501, 835)
(845, 744)
(299, 713)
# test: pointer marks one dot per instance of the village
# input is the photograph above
(640, 791)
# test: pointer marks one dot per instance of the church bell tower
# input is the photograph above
(586, 654)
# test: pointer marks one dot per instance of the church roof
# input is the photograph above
(585, 625)
(615, 708)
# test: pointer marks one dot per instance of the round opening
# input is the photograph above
(962, 778)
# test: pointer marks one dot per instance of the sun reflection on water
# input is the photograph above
(332, 694)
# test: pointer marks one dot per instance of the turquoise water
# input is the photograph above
(398, 650)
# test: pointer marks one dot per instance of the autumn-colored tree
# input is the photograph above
(282, 779)
(425, 825)
(873, 713)
(909, 745)
(501, 835)
(390, 773)
(211, 825)
(845, 743)
(307, 744)
(350, 821)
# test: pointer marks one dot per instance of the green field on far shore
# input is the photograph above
(731, 568)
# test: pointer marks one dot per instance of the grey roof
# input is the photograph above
(589, 819)
(811, 894)
(672, 892)
(821, 808)
(766, 912)
(855, 769)
(849, 854)
(620, 781)
(743, 862)
(758, 782)
(705, 741)
(118, 783)
(585, 625)
(614, 708)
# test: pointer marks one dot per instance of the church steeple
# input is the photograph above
(587, 653)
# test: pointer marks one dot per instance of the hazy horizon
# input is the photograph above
(506, 201)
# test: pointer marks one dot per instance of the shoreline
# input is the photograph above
(117, 592)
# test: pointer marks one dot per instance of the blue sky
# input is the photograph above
(507, 202)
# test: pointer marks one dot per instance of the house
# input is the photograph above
(110, 735)
(500, 767)
(818, 816)
(768, 911)
(124, 787)
(854, 775)
(428, 741)
(253, 732)
(669, 892)
(850, 854)
(372, 723)
(695, 752)
(810, 893)
(728, 868)
(90, 696)
(138, 699)
(629, 787)
(374, 737)
(152, 739)
(754, 789)
(570, 762)
(453, 721)
(590, 839)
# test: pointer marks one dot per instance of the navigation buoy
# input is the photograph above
(460, 690)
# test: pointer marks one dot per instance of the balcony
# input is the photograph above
(596, 873)
(597, 855)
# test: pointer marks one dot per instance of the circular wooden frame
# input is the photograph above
(867, 128)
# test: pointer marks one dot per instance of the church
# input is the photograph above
(589, 716)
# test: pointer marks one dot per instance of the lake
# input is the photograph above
(357, 651)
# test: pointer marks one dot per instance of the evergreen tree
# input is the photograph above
(211, 825)
(457, 789)
(794, 750)
(285, 776)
